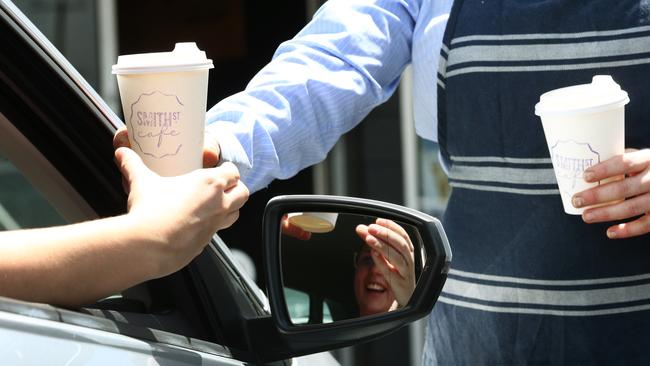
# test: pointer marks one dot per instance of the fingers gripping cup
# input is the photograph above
(584, 125)
(164, 97)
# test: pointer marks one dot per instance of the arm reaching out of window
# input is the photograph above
(169, 221)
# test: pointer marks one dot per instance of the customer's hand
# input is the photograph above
(211, 150)
(181, 212)
(392, 253)
(292, 230)
(633, 191)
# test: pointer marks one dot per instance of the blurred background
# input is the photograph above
(240, 36)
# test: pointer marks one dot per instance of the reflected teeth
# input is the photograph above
(374, 287)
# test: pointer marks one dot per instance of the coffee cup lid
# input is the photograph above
(601, 94)
(186, 56)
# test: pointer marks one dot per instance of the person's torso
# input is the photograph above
(514, 247)
(530, 284)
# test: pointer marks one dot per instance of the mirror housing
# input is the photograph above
(283, 339)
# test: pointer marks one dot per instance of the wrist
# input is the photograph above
(148, 243)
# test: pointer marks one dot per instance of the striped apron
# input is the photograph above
(530, 284)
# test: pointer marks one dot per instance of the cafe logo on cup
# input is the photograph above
(570, 160)
(155, 119)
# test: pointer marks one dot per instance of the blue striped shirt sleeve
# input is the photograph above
(319, 85)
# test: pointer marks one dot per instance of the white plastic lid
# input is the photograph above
(186, 56)
(602, 94)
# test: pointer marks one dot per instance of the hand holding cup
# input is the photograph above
(632, 194)
(584, 125)
(211, 150)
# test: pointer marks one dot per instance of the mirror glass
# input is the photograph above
(338, 266)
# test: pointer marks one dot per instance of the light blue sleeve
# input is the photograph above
(318, 86)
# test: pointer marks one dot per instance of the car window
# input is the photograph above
(21, 205)
(54, 135)
(299, 310)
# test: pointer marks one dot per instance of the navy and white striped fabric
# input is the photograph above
(591, 297)
(547, 52)
(530, 284)
(502, 174)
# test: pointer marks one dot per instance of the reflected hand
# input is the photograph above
(293, 231)
(392, 253)
(181, 213)
(633, 191)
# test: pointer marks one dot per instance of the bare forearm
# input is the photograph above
(76, 264)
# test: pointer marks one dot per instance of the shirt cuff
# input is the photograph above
(229, 146)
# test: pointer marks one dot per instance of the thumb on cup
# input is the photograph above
(121, 138)
(130, 164)
(211, 150)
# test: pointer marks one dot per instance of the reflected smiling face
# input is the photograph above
(371, 289)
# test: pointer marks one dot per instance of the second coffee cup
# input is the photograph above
(584, 125)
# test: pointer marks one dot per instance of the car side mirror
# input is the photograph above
(341, 270)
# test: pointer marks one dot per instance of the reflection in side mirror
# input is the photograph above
(311, 275)
(338, 266)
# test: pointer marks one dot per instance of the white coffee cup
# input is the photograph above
(584, 125)
(164, 97)
(314, 222)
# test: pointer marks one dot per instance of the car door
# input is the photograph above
(55, 146)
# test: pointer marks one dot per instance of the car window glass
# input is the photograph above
(22, 206)
(72, 27)
(298, 306)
